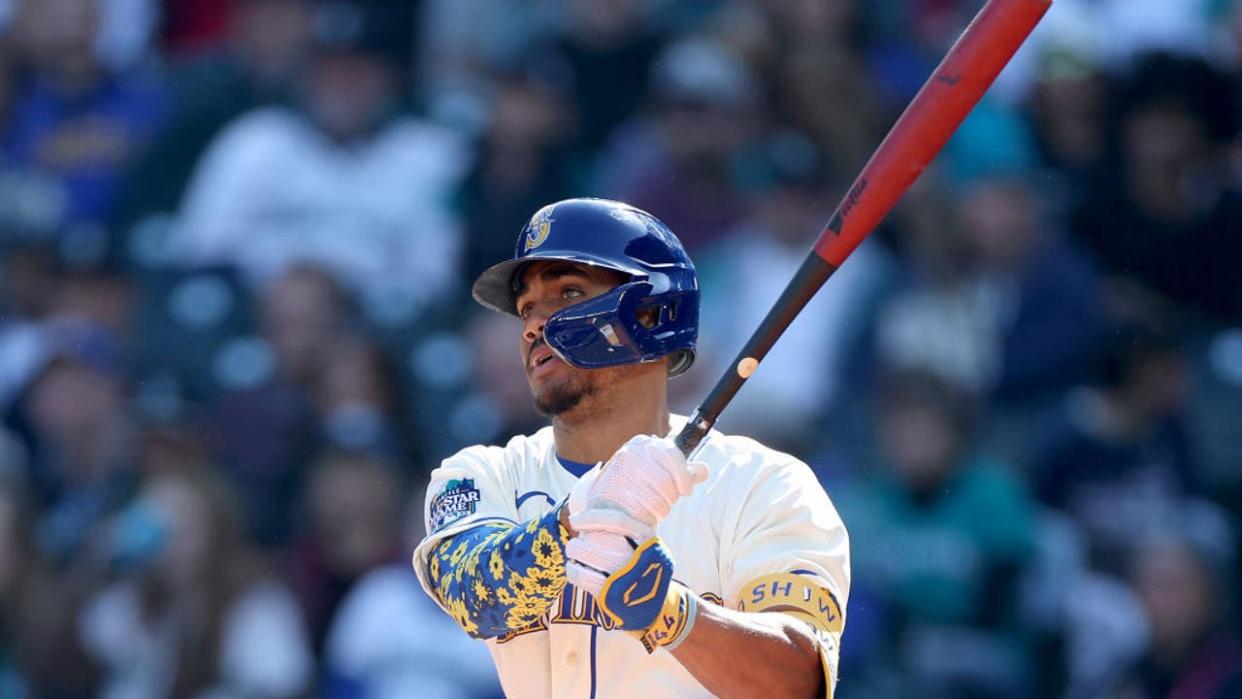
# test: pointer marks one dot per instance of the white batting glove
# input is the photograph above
(644, 479)
(606, 539)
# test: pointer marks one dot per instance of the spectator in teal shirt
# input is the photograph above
(940, 535)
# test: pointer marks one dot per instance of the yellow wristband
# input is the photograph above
(674, 621)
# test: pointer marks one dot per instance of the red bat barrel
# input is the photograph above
(967, 72)
(957, 84)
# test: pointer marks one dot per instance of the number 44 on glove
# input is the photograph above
(642, 598)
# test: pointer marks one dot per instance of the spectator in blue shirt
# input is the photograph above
(73, 122)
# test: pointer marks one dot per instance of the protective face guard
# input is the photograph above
(605, 331)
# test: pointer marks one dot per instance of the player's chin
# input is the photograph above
(556, 396)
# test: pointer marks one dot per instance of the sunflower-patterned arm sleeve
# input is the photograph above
(498, 578)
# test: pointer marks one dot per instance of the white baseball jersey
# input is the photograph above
(760, 513)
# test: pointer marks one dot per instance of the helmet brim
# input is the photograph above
(494, 288)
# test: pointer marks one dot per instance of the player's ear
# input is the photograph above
(649, 316)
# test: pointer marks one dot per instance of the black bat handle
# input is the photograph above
(808, 280)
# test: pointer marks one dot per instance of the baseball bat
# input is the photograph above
(953, 89)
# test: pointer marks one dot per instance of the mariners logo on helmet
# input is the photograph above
(539, 229)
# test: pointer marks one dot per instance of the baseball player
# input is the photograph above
(593, 558)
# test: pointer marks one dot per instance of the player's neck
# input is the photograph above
(596, 436)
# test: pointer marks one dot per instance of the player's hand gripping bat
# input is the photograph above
(938, 109)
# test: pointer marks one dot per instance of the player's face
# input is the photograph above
(546, 288)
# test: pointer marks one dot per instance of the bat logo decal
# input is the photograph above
(851, 200)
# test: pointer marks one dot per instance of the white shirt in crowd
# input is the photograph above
(264, 649)
(272, 191)
(425, 655)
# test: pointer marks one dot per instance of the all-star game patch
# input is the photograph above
(458, 499)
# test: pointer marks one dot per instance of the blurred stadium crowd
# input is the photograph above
(236, 334)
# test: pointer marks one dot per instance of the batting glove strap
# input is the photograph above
(673, 623)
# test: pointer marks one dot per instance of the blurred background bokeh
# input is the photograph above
(236, 242)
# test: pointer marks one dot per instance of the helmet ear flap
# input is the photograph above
(624, 326)
(601, 331)
(661, 322)
(679, 322)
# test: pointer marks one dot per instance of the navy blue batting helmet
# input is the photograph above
(654, 313)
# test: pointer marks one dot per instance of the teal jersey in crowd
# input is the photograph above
(933, 559)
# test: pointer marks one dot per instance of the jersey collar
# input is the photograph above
(574, 467)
